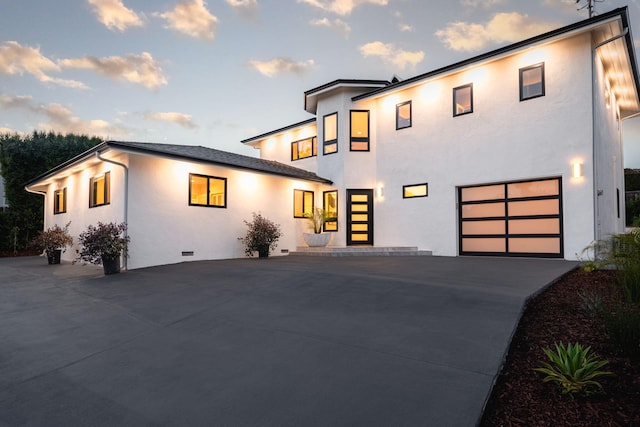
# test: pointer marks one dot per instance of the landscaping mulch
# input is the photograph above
(521, 398)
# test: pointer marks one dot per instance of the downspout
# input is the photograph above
(126, 199)
(596, 192)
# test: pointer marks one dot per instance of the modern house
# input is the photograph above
(515, 152)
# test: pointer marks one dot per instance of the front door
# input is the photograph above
(359, 217)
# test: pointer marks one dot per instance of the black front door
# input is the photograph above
(359, 217)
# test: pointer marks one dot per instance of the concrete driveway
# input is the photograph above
(288, 341)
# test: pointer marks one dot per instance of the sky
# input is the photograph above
(215, 72)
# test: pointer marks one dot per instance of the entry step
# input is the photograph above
(360, 251)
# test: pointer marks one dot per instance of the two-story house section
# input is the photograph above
(515, 152)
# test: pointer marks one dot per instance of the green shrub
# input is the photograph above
(623, 326)
(574, 368)
(626, 254)
(591, 303)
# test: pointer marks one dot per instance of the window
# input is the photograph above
(302, 203)
(331, 208)
(207, 191)
(463, 100)
(403, 115)
(99, 187)
(532, 82)
(60, 201)
(330, 137)
(415, 190)
(304, 148)
(359, 130)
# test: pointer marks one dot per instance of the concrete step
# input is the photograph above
(359, 251)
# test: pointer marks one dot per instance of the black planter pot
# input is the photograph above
(54, 257)
(111, 265)
(263, 251)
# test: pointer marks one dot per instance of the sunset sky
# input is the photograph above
(214, 73)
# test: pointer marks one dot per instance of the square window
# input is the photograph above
(304, 148)
(403, 115)
(302, 203)
(415, 190)
(60, 201)
(330, 133)
(532, 82)
(463, 100)
(359, 130)
(210, 191)
(99, 188)
(330, 204)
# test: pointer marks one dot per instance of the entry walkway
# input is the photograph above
(287, 341)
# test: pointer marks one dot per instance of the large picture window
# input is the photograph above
(403, 115)
(359, 126)
(99, 189)
(60, 201)
(330, 133)
(532, 82)
(463, 100)
(302, 203)
(208, 191)
(304, 148)
(330, 204)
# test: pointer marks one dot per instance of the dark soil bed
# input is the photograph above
(520, 398)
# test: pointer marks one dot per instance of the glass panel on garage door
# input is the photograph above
(521, 218)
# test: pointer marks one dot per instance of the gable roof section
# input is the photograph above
(193, 153)
(620, 13)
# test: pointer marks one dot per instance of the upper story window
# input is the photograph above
(208, 191)
(403, 115)
(302, 203)
(532, 82)
(415, 190)
(359, 130)
(463, 100)
(99, 189)
(60, 201)
(304, 148)
(330, 133)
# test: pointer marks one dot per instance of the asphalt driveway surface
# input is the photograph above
(287, 341)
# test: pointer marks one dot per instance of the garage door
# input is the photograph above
(522, 218)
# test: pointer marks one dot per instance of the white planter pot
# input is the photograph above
(314, 240)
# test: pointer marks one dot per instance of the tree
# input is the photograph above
(23, 158)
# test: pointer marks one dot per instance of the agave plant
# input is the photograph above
(574, 368)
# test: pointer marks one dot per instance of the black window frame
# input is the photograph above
(410, 120)
(455, 91)
(295, 148)
(359, 140)
(304, 211)
(332, 142)
(106, 191)
(521, 72)
(209, 178)
(56, 205)
(330, 220)
(404, 187)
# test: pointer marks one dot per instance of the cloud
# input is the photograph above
(390, 54)
(60, 118)
(115, 15)
(337, 24)
(140, 69)
(484, 3)
(405, 28)
(18, 59)
(341, 7)
(192, 19)
(503, 27)
(246, 7)
(172, 117)
(281, 65)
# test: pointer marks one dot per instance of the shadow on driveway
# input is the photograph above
(287, 341)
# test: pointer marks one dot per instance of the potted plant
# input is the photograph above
(317, 219)
(54, 241)
(262, 236)
(103, 244)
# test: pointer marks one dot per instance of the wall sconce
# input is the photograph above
(380, 191)
(576, 169)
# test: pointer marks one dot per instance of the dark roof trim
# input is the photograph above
(345, 82)
(621, 12)
(630, 48)
(274, 132)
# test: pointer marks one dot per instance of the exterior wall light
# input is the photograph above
(576, 169)
(380, 191)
